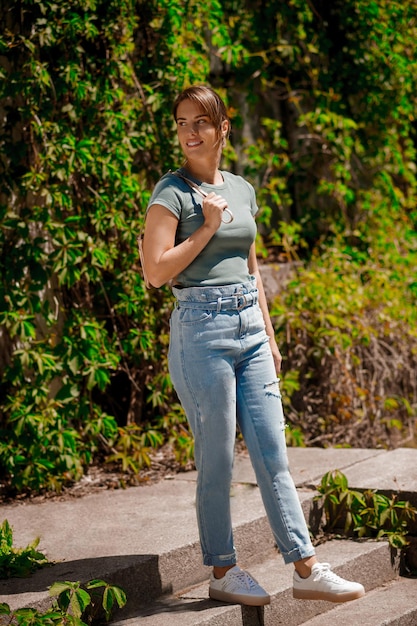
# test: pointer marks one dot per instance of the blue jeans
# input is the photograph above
(222, 369)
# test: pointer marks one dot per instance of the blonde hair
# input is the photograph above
(210, 102)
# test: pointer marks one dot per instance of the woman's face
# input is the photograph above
(196, 133)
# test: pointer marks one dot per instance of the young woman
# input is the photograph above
(223, 357)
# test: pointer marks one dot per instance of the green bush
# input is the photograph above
(348, 328)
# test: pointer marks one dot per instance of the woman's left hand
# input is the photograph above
(276, 354)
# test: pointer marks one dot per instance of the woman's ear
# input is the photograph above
(225, 128)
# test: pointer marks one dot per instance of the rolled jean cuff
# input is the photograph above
(298, 554)
(220, 560)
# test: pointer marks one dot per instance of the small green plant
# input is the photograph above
(76, 605)
(88, 602)
(18, 562)
(368, 513)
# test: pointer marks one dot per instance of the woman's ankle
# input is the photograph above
(303, 567)
(219, 572)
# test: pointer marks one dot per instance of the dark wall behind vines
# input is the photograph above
(322, 100)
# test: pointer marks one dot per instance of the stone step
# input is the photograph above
(145, 540)
(367, 562)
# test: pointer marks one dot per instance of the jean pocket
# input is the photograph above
(193, 316)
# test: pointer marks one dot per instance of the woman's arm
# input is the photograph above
(163, 259)
(254, 270)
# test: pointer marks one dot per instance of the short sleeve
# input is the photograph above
(167, 192)
(253, 204)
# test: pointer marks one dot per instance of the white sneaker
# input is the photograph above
(323, 584)
(238, 587)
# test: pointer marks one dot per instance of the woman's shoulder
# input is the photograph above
(237, 181)
(168, 180)
(170, 186)
(169, 191)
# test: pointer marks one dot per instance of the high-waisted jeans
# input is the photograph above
(222, 369)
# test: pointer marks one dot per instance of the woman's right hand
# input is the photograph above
(213, 207)
(163, 259)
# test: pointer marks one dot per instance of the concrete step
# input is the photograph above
(369, 563)
(141, 534)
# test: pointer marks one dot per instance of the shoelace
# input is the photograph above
(244, 578)
(325, 572)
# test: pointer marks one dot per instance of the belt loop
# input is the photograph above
(219, 304)
(242, 301)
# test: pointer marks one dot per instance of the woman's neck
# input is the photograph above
(204, 172)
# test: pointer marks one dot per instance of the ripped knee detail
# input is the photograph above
(272, 388)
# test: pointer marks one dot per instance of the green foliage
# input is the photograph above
(132, 447)
(76, 605)
(348, 324)
(77, 322)
(18, 562)
(368, 514)
(88, 601)
(322, 100)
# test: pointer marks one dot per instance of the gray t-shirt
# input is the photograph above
(224, 260)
